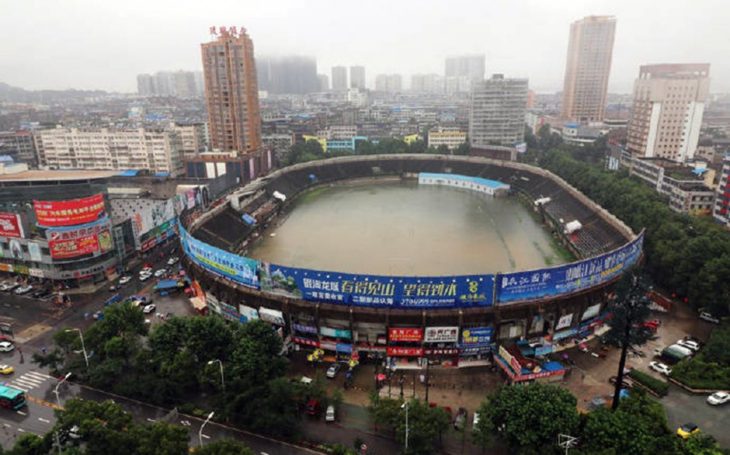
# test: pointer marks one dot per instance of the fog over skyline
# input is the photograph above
(87, 44)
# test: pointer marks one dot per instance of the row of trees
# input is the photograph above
(103, 428)
(529, 419)
(690, 256)
(178, 362)
(710, 368)
(312, 150)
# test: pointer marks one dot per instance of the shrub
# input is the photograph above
(657, 386)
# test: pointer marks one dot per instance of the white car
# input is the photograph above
(660, 368)
(160, 272)
(24, 289)
(173, 260)
(333, 370)
(149, 308)
(329, 416)
(8, 287)
(705, 316)
(124, 280)
(475, 421)
(6, 346)
(144, 276)
(718, 398)
(689, 344)
(145, 270)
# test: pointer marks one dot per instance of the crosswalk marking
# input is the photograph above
(29, 380)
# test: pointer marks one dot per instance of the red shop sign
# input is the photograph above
(305, 341)
(396, 351)
(405, 334)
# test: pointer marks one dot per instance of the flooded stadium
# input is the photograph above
(397, 227)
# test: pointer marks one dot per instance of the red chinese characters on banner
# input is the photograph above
(305, 341)
(10, 225)
(64, 249)
(405, 334)
(70, 212)
(397, 351)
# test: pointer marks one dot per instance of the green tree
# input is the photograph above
(304, 151)
(224, 447)
(702, 444)
(530, 417)
(160, 439)
(629, 309)
(463, 149)
(384, 412)
(425, 426)
(103, 426)
(30, 444)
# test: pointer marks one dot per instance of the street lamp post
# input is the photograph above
(200, 432)
(405, 405)
(83, 346)
(223, 381)
(55, 391)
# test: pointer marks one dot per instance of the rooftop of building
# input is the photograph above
(48, 176)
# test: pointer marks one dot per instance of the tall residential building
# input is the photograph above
(388, 83)
(19, 145)
(192, 138)
(182, 84)
(339, 78)
(669, 101)
(324, 82)
(287, 75)
(721, 210)
(587, 68)
(155, 150)
(231, 91)
(470, 66)
(497, 112)
(357, 77)
(427, 83)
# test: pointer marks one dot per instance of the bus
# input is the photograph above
(11, 398)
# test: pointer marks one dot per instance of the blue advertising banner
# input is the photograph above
(237, 268)
(564, 279)
(378, 291)
(476, 336)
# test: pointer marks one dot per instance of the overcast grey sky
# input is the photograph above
(104, 44)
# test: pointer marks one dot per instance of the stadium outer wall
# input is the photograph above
(410, 335)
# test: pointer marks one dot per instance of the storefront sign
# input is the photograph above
(328, 345)
(305, 341)
(6, 267)
(334, 333)
(247, 313)
(305, 328)
(441, 335)
(591, 312)
(475, 336)
(411, 335)
(510, 359)
(343, 347)
(272, 316)
(10, 225)
(397, 351)
(93, 238)
(564, 321)
(564, 334)
(34, 250)
(70, 212)
(441, 351)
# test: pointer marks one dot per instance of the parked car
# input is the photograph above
(23, 289)
(660, 368)
(6, 346)
(173, 260)
(329, 415)
(124, 280)
(705, 316)
(160, 272)
(627, 383)
(683, 349)
(9, 287)
(6, 369)
(460, 419)
(146, 269)
(475, 421)
(313, 407)
(144, 276)
(689, 344)
(718, 398)
(333, 370)
(687, 430)
(149, 308)
(38, 293)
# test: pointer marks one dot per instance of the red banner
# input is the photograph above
(405, 334)
(397, 351)
(10, 225)
(64, 249)
(305, 341)
(69, 213)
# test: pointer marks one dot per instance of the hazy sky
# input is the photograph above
(104, 44)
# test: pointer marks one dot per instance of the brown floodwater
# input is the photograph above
(401, 228)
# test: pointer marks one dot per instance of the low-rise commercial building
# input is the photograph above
(448, 137)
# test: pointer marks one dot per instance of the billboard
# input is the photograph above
(10, 225)
(414, 335)
(240, 269)
(70, 212)
(34, 250)
(441, 335)
(93, 238)
(591, 312)
(564, 321)
(378, 290)
(476, 336)
(334, 333)
(153, 216)
(564, 279)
